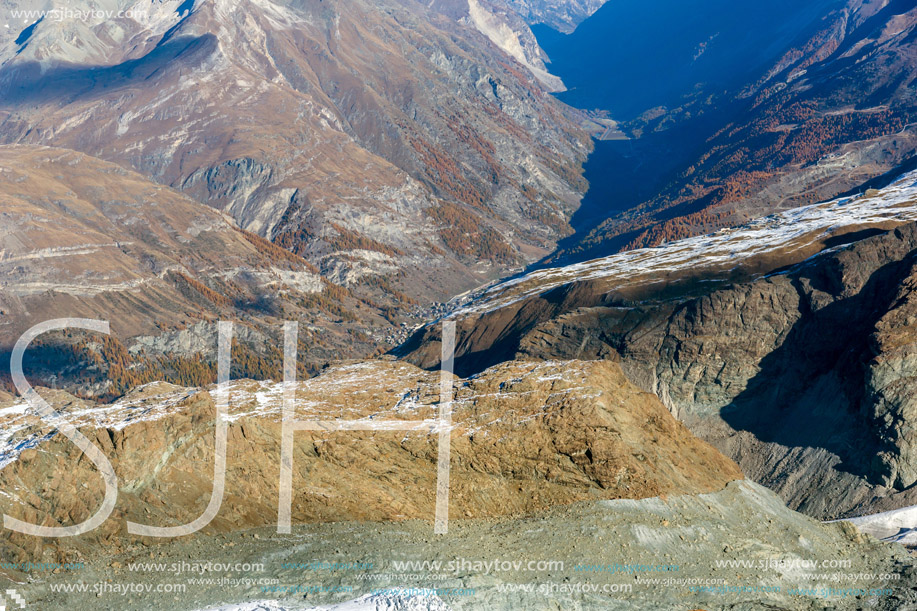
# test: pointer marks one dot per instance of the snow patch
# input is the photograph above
(898, 525)
(792, 229)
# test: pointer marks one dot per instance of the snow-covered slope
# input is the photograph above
(778, 235)
(259, 605)
(898, 525)
(424, 600)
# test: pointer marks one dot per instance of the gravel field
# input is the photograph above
(739, 548)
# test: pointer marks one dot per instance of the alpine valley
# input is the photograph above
(676, 243)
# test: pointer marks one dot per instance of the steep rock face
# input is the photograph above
(526, 436)
(330, 128)
(791, 375)
(891, 385)
(506, 29)
(803, 373)
(494, 318)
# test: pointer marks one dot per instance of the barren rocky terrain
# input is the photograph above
(526, 436)
(86, 238)
(376, 139)
(724, 356)
(689, 541)
(562, 15)
(800, 372)
(535, 448)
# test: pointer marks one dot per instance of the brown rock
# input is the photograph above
(526, 436)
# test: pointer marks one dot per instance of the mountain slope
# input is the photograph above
(364, 136)
(786, 343)
(526, 436)
(86, 238)
(736, 121)
(661, 54)
(562, 15)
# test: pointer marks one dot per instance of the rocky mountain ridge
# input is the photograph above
(344, 163)
(562, 15)
(791, 353)
(526, 436)
(529, 439)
